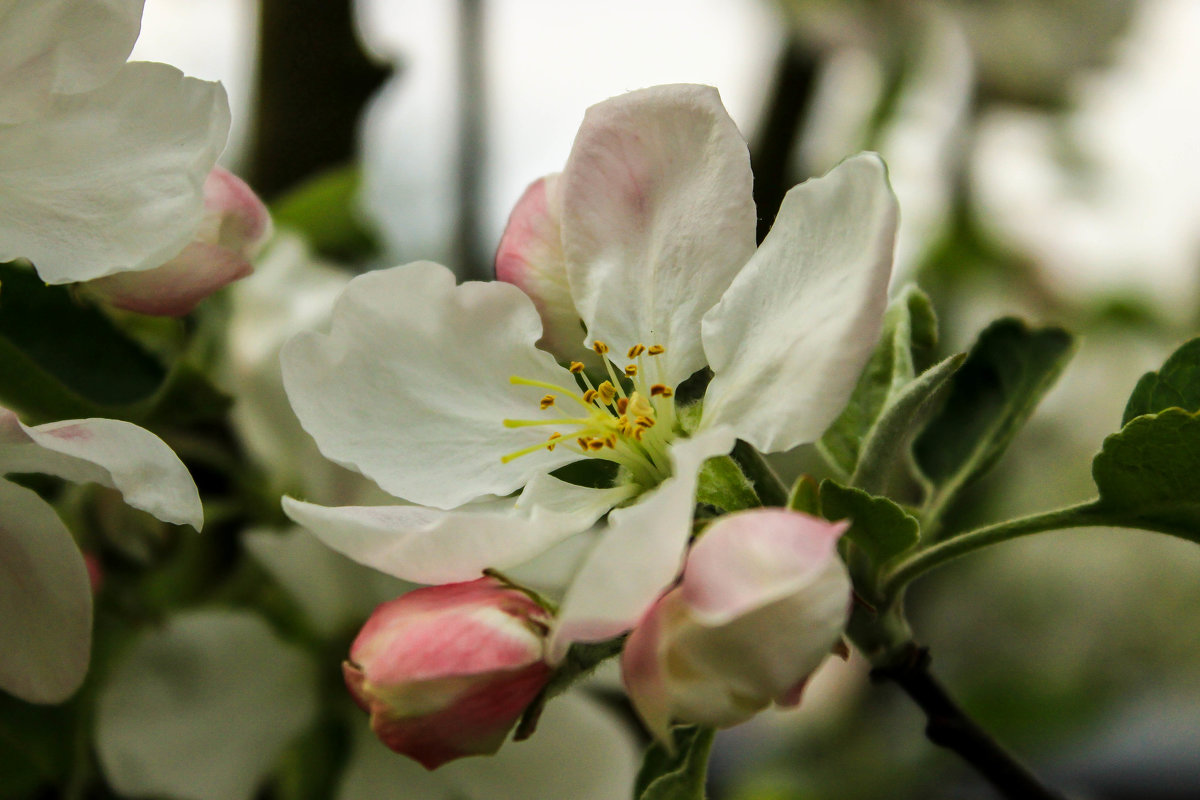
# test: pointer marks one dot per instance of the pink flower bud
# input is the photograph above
(763, 599)
(234, 226)
(446, 671)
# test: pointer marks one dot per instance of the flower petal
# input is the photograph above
(411, 385)
(177, 287)
(530, 256)
(788, 340)
(61, 46)
(110, 452)
(657, 218)
(640, 553)
(112, 179)
(428, 545)
(45, 601)
(203, 708)
(642, 667)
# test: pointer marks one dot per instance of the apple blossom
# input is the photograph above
(45, 592)
(438, 393)
(762, 601)
(446, 671)
(104, 162)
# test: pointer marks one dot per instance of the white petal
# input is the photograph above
(112, 179)
(640, 553)
(60, 46)
(580, 751)
(110, 452)
(788, 340)
(202, 709)
(411, 386)
(657, 218)
(530, 256)
(428, 545)
(45, 601)
(177, 287)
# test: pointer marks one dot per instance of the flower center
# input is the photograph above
(626, 419)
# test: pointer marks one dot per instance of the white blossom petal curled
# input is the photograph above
(791, 335)
(45, 601)
(60, 47)
(111, 179)
(640, 553)
(428, 545)
(404, 391)
(657, 218)
(109, 452)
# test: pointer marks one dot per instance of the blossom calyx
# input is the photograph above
(446, 671)
(763, 599)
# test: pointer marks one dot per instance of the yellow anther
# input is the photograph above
(600, 347)
(656, 349)
(631, 371)
(660, 390)
(595, 444)
(576, 367)
(622, 404)
(644, 422)
(546, 402)
(607, 392)
(583, 442)
(610, 441)
(590, 396)
(638, 433)
(637, 350)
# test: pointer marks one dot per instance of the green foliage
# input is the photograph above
(909, 333)
(323, 209)
(1148, 473)
(1176, 385)
(723, 484)
(879, 527)
(62, 359)
(805, 496)
(676, 773)
(1006, 374)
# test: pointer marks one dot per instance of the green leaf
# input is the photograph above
(1148, 474)
(678, 775)
(1005, 375)
(323, 208)
(1176, 385)
(805, 496)
(723, 484)
(879, 527)
(908, 326)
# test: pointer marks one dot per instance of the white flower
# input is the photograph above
(45, 596)
(438, 393)
(102, 162)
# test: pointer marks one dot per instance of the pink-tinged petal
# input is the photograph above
(112, 179)
(243, 223)
(748, 560)
(642, 670)
(45, 601)
(411, 386)
(427, 545)
(788, 340)
(657, 218)
(110, 452)
(530, 256)
(60, 47)
(639, 555)
(177, 287)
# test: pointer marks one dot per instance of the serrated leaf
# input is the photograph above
(1176, 385)
(1006, 374)
(879, 527)
(678, 775)
(909, 324)
(1148, 474)
(323, 208)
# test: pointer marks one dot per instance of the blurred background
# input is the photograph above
(1044, 155)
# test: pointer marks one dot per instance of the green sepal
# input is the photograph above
(581, 661)
(324, 209)
(722, 484)
(880, 528)
(1005, 375)
(805, 495)
(678, 772)
(1176, 385)
(909, 332)
(1148, 474)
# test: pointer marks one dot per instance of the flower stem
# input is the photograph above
(949, 727)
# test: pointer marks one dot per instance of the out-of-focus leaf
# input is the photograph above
(879, 527)
(1176, 385)
(32, 753)
(1005, 375)
(910, 327)
(323, 209)
(678, 775)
